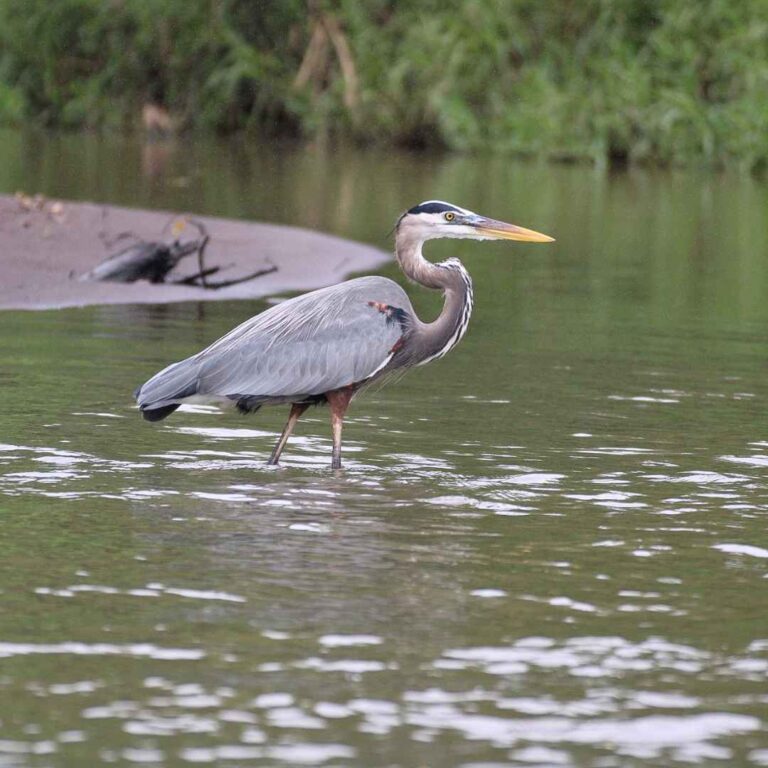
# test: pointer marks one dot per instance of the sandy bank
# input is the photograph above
(45, 247)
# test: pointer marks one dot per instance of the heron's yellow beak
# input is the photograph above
(504, 231)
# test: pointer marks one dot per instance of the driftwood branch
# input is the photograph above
(236, 281)
(153, 261)
(192, 279)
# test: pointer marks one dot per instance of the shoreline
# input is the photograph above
(46, 245)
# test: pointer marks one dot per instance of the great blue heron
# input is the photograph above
(324, 346)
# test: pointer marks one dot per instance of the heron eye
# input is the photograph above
(450, 216)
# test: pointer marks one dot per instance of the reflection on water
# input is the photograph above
(546, 550)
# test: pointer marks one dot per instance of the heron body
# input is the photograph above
(324, 346)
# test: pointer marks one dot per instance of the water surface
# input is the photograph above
(547, 549)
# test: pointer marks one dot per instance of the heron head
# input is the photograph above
(435, 218)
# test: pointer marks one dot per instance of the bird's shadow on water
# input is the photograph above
(304, 487)
(201, 465)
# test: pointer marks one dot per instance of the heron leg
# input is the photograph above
(296, 410)
(339, 400)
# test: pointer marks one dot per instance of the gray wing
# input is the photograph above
(304, 346)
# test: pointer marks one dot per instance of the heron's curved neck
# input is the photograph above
(417, 268)
(450, 276)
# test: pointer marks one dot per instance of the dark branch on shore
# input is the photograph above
(155, 260)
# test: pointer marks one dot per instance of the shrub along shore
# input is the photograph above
(659, 81)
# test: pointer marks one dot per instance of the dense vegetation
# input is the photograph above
(669, 81)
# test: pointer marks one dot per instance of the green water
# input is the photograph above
(548, 549)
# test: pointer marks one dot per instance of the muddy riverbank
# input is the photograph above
(46, 245)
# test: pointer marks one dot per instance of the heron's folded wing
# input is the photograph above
(308, 345)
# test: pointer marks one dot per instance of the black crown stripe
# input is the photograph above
(432, 206)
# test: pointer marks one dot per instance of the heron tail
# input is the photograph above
(165, 391)
(158, 414)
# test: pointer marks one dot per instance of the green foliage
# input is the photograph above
(668, 81)
(95, 62)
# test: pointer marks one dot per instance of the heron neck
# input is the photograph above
(448, 328)
(417, 268)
